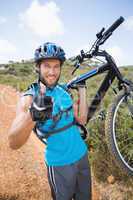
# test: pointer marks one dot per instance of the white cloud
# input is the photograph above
(129, 23)
(74, 51)
(7, 49)
(2, 20)
(43, 20)
(120, 56)
(117, 53)
(85, 48)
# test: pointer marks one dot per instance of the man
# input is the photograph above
(48, 109)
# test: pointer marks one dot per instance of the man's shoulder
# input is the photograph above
(31, 89)
(23, 103)
(32, 85)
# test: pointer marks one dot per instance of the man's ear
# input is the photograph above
(37, 66)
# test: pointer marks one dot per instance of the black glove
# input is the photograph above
(41, 108)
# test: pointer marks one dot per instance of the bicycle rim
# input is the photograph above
(123, 130)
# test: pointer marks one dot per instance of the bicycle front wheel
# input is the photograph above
(119, 131)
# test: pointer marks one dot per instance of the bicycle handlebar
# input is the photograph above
(101, 38)
(114, 26)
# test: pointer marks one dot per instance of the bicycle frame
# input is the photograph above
(112, 72)
(110, 66)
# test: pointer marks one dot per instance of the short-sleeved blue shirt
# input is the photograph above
(67, 146)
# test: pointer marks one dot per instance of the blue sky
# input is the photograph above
(72, 24)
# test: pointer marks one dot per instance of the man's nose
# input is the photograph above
(51, 71)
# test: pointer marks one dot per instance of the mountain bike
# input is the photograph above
(119, 118)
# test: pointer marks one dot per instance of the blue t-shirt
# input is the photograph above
(67, 146)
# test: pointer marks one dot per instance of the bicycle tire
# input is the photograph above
(111, 135)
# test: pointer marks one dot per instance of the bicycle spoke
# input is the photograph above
(123, 148)
(124, 130)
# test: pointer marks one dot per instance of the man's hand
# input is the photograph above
(42, 106)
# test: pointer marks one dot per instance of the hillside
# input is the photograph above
(20, 75)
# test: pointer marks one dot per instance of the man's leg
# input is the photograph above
(83, 185)
(62, 181)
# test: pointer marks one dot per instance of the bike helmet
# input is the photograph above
(49, 50)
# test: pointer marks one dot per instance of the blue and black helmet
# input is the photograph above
(49, 50)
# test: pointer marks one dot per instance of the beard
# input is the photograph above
(42, 79)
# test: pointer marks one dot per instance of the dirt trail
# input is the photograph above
(22, 172)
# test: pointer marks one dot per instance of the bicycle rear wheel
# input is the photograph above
(119, 131)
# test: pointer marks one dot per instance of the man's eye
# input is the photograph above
(57, 66)
(47, 66)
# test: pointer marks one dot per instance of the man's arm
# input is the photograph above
(81, 109)
(22, 125)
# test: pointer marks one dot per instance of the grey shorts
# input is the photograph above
(71, 181)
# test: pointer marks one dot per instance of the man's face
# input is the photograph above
(50, 70)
